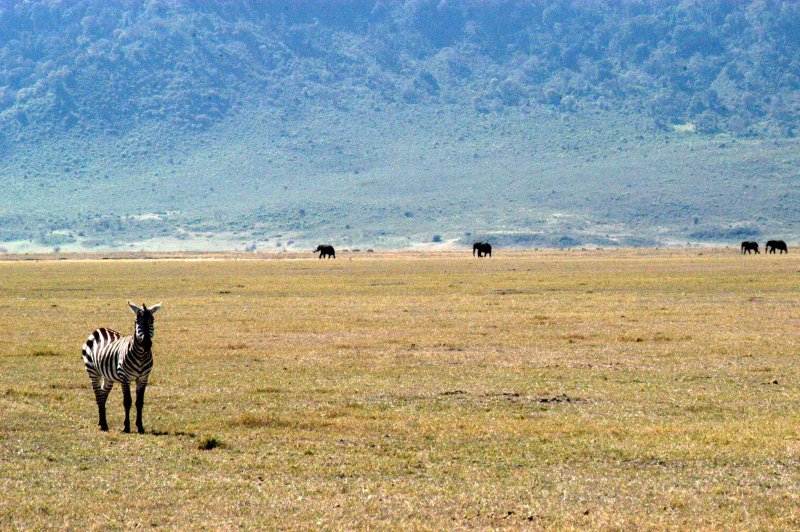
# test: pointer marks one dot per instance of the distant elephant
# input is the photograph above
(483, 248)
(774, 245)
(747, 247)
(325, 251)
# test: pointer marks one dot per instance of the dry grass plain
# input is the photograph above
(653, 389)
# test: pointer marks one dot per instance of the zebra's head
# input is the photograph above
(145, 324)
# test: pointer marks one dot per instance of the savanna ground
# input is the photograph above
(534, 389)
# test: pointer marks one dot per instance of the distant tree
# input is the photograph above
(738, 125)
(713, 101)
(696, 105)
(707, 122)
(568, 103)
(511, 91)
(640, 53)
(749, 102)
(427, 83)
(552, 96)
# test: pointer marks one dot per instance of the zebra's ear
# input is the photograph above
(134, 308)
(155, 308)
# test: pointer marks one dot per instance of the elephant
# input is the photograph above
(747, 247)
(774, 245)
(483, 249)
(325, 250)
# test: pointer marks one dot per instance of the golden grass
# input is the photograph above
(607, 389)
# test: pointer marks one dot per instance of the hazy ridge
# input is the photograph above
(233, 125)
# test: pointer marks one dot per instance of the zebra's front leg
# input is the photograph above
(140, 387)
(127, 402)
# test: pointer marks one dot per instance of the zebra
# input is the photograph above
(110, 357)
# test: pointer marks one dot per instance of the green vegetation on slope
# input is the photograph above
(377, 123)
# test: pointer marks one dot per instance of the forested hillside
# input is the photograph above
(171, 123)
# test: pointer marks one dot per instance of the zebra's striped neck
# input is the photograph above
(138, 347)
(137, 357)
(141, 345)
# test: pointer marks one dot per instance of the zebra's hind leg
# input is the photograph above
(101, 394)
(140, 387)
(107, 385)
(126, 402)
(98, 397)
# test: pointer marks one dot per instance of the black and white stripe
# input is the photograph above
(110, 357)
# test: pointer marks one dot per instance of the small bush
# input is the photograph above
(206, 443)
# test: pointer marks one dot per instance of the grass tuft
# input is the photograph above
(46, 353)
(236, 346)
(269, 389)
(271, 421)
